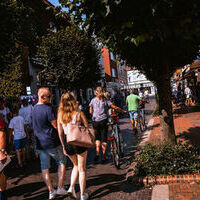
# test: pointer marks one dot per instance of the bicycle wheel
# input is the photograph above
(115, 154)
(120, 143)
(118, 139)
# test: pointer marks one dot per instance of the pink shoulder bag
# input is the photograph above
(79, 135)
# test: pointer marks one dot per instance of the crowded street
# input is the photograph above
(99, 100)
(104, 181)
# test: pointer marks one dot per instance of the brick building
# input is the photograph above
(115, 76)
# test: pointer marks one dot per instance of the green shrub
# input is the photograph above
(167, 160)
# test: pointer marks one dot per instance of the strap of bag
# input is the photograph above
(74, 118)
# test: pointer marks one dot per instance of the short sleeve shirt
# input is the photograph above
(46, 136)
(26, 113)
(133, 102)
(17, 124)
(4, 113)
(100, 109)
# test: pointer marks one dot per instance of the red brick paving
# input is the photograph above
(187, 128)
(184, 192)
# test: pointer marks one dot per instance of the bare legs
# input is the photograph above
(134, 123)
(98, 144)
(104, 147)
(21, 155)
(61, 175)
(79, 162)
(47, 179)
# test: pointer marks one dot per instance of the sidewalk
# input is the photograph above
(187, 128)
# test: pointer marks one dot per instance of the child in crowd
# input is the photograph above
(18, 130)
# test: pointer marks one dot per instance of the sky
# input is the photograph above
(54, 2)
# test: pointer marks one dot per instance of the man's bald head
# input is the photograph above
(44, 95)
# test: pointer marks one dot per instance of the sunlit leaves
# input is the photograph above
(70, 59)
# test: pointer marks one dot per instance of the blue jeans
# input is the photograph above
(56, 153)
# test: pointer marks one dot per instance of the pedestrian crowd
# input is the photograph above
(37, 129)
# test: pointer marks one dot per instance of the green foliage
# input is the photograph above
(147, 34)
(70, 59)
(18, 27)
(11, 79)
(22, 25)
(155, 36)
(167, 160)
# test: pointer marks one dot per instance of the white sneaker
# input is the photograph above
(61, 191)
(85, 196)
(71, 192)
(52, 195)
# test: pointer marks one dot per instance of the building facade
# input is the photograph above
(115, 76)
(137, 80)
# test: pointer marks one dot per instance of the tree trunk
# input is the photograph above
(165, 110)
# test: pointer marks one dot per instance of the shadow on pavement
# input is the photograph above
(111, 183)
(185, 110)
(28, 190)
(191, 135)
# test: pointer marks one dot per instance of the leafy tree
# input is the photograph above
(155, 36)
(11, 79)
(70, 59)
(22, 24)
(17, 30)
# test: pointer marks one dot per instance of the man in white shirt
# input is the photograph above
(146, 94)
(188, 94)
(141, 95)
(18, 130)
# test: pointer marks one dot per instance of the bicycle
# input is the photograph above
(141, 125)
(116, 140)
(141, 121)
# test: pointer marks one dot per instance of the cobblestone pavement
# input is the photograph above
(104, 181)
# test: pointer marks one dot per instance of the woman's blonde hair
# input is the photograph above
(68, 105)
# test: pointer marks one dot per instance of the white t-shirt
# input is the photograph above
(17, 123)
(141, 95)
(188, 91)
(4, 113)
(26, 113)
(146, 92)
